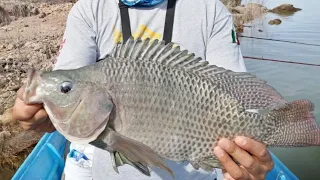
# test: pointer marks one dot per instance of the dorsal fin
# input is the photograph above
(246, 88)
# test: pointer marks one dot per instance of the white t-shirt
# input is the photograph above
(203, 27)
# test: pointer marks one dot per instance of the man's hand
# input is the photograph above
(253, 156)
(31, 117)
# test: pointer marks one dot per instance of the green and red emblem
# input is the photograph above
(235, 38)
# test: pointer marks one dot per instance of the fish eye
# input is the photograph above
(65, 87)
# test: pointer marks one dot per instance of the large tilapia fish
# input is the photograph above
(148, 101)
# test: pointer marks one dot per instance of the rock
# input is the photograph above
(20, 44)
(238, 10)
(54, 50)
(8, 29)
(6, 117)
(239, 29)
(9, 59)
(285, 9)
(245, 14)
(44, 49)
(4, 135)
(10, 101)
(14, 18)
(11, 46)
(275, 22)
(3, 83)
(14, 87)
(35, 11)
(29, 56)
(42, 15)
(24, 10)
(231, 3)
(1, 110)
(28, 43)
(5, 95)
(43, 5)
(257, 8)
(36, 47)
(21, 10)
(21, 141)
(4, 17)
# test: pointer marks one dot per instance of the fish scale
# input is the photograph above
(149, 100)
(183, 94)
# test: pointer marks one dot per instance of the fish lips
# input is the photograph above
(30, 95)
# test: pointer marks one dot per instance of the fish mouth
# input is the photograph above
(31, 96)
(33, 78)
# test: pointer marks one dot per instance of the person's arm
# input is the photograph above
(78, 49)
(79, 46)
(224, 51)
(222, 46)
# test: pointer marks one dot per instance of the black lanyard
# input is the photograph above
(168, 26)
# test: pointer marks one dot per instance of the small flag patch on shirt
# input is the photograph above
(235, 38)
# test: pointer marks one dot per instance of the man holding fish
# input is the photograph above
(202, 27)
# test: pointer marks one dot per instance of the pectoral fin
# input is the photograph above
(128, 151)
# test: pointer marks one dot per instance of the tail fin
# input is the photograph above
(295, 126)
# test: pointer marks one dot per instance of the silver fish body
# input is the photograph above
(155, 101)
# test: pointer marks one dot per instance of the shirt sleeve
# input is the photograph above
(79, 47)
(222, 45)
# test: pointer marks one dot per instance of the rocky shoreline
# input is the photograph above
(243, 14)
(30, 36)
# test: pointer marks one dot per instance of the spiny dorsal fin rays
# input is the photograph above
(148, 50)
(197, 66)
(189, 61)
(116, 50)
(169, 54)
(154, 50)
(176, 58)
(204, 67)
(138, 49)
(164, 52)
(130, 46)
(244, 87)
(126, 48)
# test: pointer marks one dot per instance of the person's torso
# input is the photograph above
(193, 23)
(190, 30)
